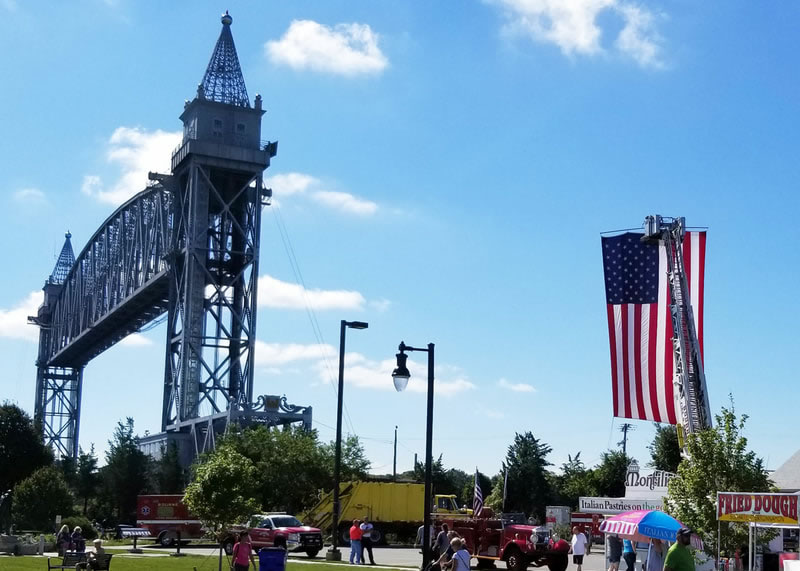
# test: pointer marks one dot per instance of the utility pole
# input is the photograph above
(624, 430)
(394, 462)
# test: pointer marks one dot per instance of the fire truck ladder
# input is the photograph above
(689, 377)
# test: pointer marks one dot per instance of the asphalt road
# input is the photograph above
(384, 556)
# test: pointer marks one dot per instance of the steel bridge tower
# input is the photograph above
(188, 245)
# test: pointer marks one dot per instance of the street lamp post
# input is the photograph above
(400, 377)
(333, 553)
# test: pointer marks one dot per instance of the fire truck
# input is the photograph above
(491, 539)
(165, 516)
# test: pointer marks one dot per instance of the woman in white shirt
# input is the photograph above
(461, 558)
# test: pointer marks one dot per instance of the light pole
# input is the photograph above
(400, 377)
(333, 553)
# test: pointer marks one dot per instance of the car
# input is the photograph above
(278, 530)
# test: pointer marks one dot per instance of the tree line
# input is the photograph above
(286, 469)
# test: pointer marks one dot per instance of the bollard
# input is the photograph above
(135, 549)
(41, 544)
(178, 550)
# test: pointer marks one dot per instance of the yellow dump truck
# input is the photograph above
(392, 507)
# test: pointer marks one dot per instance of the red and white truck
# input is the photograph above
(164, 516)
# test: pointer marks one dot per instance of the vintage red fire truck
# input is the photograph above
(165, 516)
(508, 539)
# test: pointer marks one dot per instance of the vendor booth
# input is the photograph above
(760, 510)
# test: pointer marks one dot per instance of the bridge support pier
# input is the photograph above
(58, 407)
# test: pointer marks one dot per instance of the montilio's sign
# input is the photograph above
(610, 506)
(648, 484)
(757, 507)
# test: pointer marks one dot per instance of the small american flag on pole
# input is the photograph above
(477, 502)
(639, 323)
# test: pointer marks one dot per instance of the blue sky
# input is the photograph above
(444, 172)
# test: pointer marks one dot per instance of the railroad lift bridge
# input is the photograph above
(186, 246)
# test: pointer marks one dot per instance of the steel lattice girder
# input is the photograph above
(211, 324)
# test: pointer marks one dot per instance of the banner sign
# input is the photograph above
(646, 484)
(610, 506)
(757, 507)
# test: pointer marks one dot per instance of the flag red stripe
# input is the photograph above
(626, 364)
(701, 293)
(613, 344)
(651, 361)
(669, 363)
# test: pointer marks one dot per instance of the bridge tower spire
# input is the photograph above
(58, 388)
(223, 81)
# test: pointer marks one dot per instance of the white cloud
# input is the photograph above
(30, 196)
(345, 49)
(345, 202)
(300, 184)
(135, 151)
(136, 340)
(366, 374)
(289, 183)
(275, 293)
(516, 387)
(14, 321)
(573, 26)
(380, 305)
(275, 354)
(638, 38)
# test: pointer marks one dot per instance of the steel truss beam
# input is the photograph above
(212, 310)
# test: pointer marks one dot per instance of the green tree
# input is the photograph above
(439, 481)
(291, 465)
(608, 477)
(87, 478)
(718, 461)
(355, 464)
(221, 492)
(169, 475)
(125, 474)
(665, 453)
(39, 498)
(574, 481)
(21, 448)
(529, 488)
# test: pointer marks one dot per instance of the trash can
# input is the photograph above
(272, 559)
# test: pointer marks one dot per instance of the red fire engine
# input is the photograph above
(588, 522)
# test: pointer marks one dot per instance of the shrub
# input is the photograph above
(39, 498)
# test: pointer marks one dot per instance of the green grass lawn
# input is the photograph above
(149, 563)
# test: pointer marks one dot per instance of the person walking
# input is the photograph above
(243, 553)
(63, 540)
(78, 542)
(629, 555)
(655, 557)
(355, 543)
(366, 541)
(614, 552)
(679, 558)
(578, 547)
(441, 543)
(461, 558)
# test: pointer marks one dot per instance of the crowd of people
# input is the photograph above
(676, 558)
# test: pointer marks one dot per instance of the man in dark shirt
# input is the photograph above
(614, 552)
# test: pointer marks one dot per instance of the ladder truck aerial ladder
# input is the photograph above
(689, 377)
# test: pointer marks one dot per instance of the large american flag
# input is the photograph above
(477, 501)
(639, 324)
